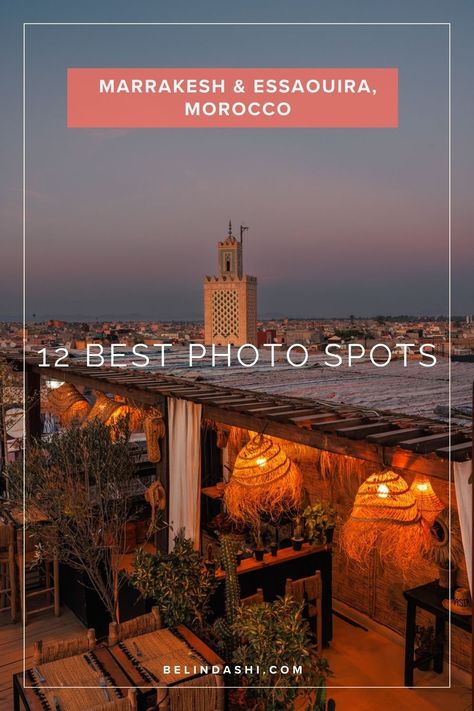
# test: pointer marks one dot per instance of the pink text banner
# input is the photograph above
(232, 98)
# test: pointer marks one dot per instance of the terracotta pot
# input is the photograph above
(443, 581)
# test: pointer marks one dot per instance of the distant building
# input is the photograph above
(302, 335)
(230, 299)
(266, 336)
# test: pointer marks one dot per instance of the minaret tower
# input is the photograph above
(230, 299)
(230, 255)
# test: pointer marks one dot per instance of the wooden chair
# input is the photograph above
(47, 570)
(142, 624)
(8, 583)
(193, 694)
(309, 590)
(59, 649)
(254, 599)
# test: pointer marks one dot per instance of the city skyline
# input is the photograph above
(124, 222)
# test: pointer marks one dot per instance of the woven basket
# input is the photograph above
(154, 428)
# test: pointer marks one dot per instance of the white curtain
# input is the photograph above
(462, 472)
(184, 441)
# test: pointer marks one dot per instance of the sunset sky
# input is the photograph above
(124, 223)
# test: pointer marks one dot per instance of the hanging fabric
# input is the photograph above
(184, 442)
(462, 473)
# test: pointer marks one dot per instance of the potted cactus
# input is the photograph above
(297, 538)
(259, 549)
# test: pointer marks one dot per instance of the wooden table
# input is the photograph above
(144, 659)
(428, 597)
(213, 492)
(36, 696)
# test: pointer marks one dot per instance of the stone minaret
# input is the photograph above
(230, 299)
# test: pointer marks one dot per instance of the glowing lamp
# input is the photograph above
(384, 521)
(67, 403)
(428, 503)
(264, 481)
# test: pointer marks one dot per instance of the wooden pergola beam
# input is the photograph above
(321, 425)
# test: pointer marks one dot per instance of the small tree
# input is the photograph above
(81, 481)
(178, 582)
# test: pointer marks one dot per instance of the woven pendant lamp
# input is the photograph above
(428, 503)
(133, 414)
(68, 404)
(264, 482)
(110, 410)
(103, 408)
(385, 519)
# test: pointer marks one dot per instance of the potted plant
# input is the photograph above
(319, 522)
(179, 582)
(297, 538)
(259, 550)
(261, 630)
(79, 479)
(209, 562)
(443, 570)
(427, 645)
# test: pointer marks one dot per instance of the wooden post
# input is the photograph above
(163, 474)
(91, 638)
(132, 698)
(57, 601)
(157, 616)
(38, 651)
(113, 633)
(21, 580)
(162, 699)
(33, 403)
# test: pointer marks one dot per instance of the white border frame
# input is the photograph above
(252, 24)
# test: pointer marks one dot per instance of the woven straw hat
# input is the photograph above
(461, 604)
